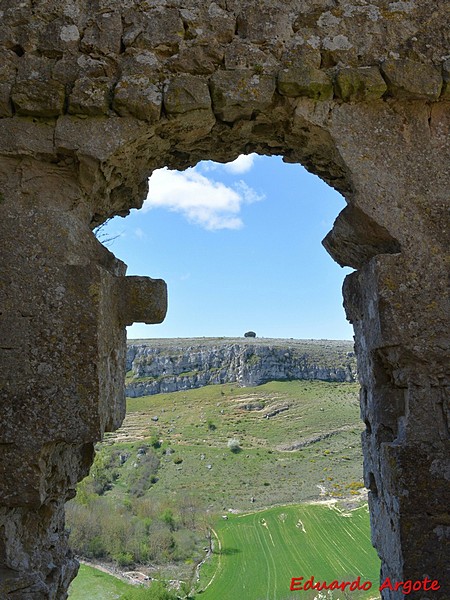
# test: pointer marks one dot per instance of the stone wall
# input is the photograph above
(93, 97)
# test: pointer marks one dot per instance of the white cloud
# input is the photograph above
(242, 164)
(207, 203)
(208, 165)
(248, 194)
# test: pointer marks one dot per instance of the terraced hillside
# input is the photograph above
(298, 440)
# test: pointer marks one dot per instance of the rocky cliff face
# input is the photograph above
(158, 366)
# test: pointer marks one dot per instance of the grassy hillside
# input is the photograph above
(161, 481)
(320, 419)
(260, 552)
(92, 584)
(319, 348)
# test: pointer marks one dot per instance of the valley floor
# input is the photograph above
(183, 461)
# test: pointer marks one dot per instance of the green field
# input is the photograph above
(299, 441)
(260, 552)
(92, 584)
(256, 555)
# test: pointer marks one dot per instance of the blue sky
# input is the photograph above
(239, 246)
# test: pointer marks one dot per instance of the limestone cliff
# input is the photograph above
(158, 366)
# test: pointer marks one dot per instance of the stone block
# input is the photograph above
(139, 97)
(186, 93)
(59, 36)
(143, 300)
(208, 26)
(98, 137)
(298, 54)
(78, 66)
(263, 24)
(8, 66)
(238, 94)
(159, 29)
(356, 238)
(241, 54)
(38, 98)
(410, 79)
(35, 92)
(360, 84)
(24, 135)
(103, 36)
(305, 81)
(187, 128)
(197, 59)
(90, 96)
(221, 22)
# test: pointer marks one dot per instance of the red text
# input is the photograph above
(298, 585)
(408, 586)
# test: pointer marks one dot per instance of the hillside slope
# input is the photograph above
(302, 432)
(170, 470)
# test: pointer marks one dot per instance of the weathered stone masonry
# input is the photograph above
(94, 95)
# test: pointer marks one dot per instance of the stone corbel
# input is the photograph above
(142, 300)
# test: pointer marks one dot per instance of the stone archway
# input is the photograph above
(93, 97)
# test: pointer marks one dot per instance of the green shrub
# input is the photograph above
(155, 441)
(185, 545)
(124, 559)
(234, 445)
(96, 547)
(161, 541)
(101, 530)
(142, 478)
(168, 518)
(104, 471)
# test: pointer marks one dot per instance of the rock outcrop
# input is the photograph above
(158, 366)
(96, 95)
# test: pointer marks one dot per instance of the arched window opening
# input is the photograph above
(212, 430)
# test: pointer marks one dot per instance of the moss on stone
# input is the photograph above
(305, 81)
(365, 83)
